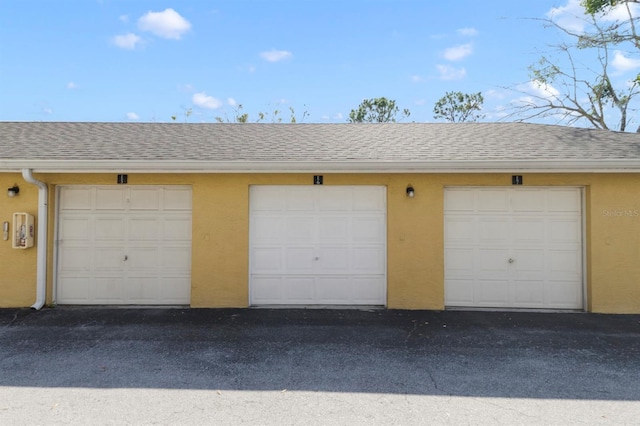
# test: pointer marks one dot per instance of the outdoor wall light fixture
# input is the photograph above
(410, 191)
(13, 191)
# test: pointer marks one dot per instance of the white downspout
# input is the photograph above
(43, 214)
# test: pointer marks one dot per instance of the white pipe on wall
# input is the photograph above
(43, 214)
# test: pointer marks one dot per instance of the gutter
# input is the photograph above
(41, 270)
(328, 166)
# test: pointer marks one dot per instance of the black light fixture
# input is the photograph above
(410, 191)
(13, 191)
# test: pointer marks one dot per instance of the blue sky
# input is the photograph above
(117, 60)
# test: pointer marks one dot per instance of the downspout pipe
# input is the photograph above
(43, 214)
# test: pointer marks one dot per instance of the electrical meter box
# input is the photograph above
(23, 231)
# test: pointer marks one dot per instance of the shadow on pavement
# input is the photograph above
(478, 354)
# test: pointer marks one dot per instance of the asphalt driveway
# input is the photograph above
(258, 366)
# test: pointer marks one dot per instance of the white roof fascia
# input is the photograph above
(350, 166)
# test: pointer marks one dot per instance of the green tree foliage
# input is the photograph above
(598, 6)
(377, 110)
(458, 107)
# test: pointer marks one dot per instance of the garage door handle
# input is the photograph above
(511, 260)
(317, 258)
(126, 257)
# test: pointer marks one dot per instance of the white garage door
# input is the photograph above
(318, 245)
(124, 245)
(513, 248)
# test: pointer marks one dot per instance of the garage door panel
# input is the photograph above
(266, 260)
(300, 229)
(142, 290)
(74, 289)
(144, 199)
(368, 290)
(115, 241)
(566, 262)
(565, 201)
(529, 293)
(460, 261)
(460, 230)
(332, 230)
(108, 290)
(529, 200)
(267, 289)
(492, 261)
(269, 199)
(493, 230)
(174, 259)
(460, 200)
(493, 201)
(299, 200)
(109, 228)
(333, 260)
(564, 230)
(110, 199)
(108, 259)
(267, 229)
(460, 292)
(76, 199)
(563, 294)
(142, 259)
(75, 259)
(144, 229)
(332, 237)
(369, 200)
(368, 260)
(176, 228)
(333, 290)
(298, 289)
(529, 230)
(177, 199)
(174, 290)
(335, 199)
(529, 261)
(300, 259)
(493, 292)
(368, 229)
(75, 228)
(527, 238)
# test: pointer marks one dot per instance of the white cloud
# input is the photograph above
(416, 79)
(132, 116)
(275, 55)
(458, 52)
(468, 32)
(124, 18)
(538, 91)
(167, 24)
(71, 85)
(338, 116)
(127, 41)
(203, 101)
(232, 102)
(620, 13)
(420, 101)
(571, 16)
(623, 64)
(447, 72)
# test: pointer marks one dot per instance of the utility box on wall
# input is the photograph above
(23, 231)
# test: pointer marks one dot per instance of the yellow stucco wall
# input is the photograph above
(17, 266)
(415, 259)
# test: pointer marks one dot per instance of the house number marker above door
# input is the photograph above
(317, 180)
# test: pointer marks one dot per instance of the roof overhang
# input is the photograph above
(342, 166)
